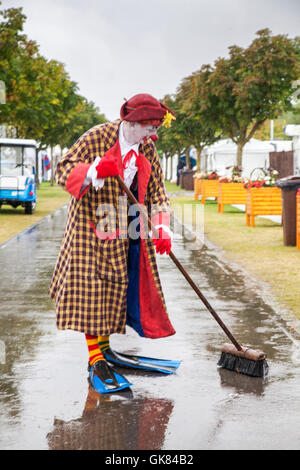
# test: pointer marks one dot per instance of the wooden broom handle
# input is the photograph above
(180, 267)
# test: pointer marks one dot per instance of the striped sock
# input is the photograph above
(95, 354)
(103, 342)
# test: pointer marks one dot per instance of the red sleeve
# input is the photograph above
(76, 178)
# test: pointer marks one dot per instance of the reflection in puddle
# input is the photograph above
(109, 422)
(242, 384)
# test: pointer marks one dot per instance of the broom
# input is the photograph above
(233, 357)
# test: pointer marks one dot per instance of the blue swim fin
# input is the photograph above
(105, 380)
(165, 366)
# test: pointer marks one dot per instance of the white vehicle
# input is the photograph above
(17, 173)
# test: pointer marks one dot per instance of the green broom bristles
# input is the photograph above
(243, 365)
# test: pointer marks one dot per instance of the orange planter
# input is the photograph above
(197, 187)
(231, 193)
(298, 219)
(209, 188)
(262, 201)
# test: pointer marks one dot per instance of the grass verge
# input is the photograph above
(259, 250)
(13, 221)
(172, 187)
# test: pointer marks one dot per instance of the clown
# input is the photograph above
(106, 275)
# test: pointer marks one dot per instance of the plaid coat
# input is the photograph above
(90, 279)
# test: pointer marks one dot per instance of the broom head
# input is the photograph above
(245, 361)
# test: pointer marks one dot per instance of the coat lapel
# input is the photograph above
(143, 177)
(116, 153)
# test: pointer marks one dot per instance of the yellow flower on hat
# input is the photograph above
(168, 118)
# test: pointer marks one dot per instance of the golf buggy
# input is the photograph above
(17, 173)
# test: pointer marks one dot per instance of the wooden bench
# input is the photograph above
(262, 201)
(231, 193)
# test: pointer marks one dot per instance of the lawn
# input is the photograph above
(259, 250)
(13, 221)
(172, 187)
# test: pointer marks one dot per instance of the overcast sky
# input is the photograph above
(117, 48)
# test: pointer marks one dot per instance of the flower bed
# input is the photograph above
(206, 184)
(298, 219)
(262, 201)
(268, 179)
(230, 193)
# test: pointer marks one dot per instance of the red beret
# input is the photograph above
(143, 107)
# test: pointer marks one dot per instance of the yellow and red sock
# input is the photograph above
(95, 353)
(103, 342)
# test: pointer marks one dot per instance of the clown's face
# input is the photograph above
(136, 132)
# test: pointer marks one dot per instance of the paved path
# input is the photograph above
(45, 399)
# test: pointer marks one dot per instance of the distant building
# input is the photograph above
(255, 155)
(293, 130)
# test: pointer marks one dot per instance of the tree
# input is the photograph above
(264, 132)
(71, 115)
(293, 116)
(84, 116)
(252, 85)
(170, 141)
(35, 87)
(12, 45)
(42, 102)
(195, 126)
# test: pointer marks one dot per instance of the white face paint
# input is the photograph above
(135, 133)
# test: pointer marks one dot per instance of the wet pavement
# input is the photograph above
(45, 398)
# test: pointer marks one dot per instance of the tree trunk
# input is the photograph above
(36, 176)
(171, 167)
(52, 168)
(198, 159)
(166, 168)
(187, 159)
(239, 153)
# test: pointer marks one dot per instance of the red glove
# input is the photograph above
(163, 243)
(107, 167)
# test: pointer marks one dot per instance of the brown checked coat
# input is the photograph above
(90, 279)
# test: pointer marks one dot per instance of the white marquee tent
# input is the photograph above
(255, 155)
